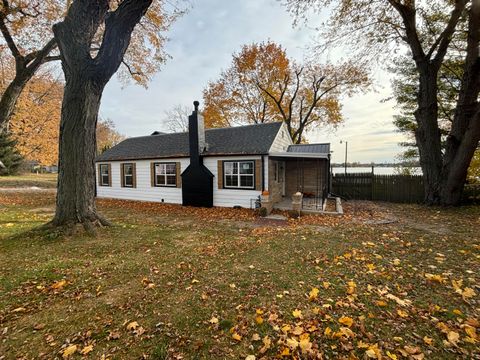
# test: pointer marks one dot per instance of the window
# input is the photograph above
(166, 174)
(128, 174)
(239, 174)
(104, 175)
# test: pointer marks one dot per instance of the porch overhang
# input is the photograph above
(298, 155)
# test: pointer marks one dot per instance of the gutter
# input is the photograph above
(300, 155)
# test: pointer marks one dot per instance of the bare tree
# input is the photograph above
(176, 119)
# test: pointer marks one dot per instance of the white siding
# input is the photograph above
(145, 192)
(282, 140)
(230, 197)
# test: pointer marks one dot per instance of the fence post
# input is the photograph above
(372, 184)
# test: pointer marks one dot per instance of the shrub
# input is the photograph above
(293, 214)
(9, 155)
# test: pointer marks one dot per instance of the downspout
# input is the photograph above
(263, 173)
(329, 172)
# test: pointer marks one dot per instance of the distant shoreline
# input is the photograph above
(377, 169)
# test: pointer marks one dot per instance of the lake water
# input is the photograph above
(376, 170)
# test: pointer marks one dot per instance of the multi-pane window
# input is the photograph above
(239, 174)
(104, 175)
(166, 174)
(128, 174)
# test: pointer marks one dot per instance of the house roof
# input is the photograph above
(310, 148)
(304, 151)
(240, 140)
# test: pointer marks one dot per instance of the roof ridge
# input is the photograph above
(324, 143)
(243, 126)
(207, 129)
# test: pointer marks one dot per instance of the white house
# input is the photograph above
(215, 167)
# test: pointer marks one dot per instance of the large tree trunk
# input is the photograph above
(86, 78)
(427, 134)
(465, 133)
(76, 179)
(457, 163)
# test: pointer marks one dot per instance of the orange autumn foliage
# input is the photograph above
(35, 123)
(263, 85)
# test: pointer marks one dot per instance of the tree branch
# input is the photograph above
(9, 40)
(41, 55)
(116, 37)
(408, 15)
(130, 70)
(445, 37)
(278, 102)
(295, 92)
(79, 27)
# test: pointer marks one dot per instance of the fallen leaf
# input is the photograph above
(435, 278)
(427, 340)
(69, 351)
(255, 337)
(313, 294)
(453, 337)
(297, 314)
(132, 325)
(351, 286)
(470, 330)
(468, 293)
(113, 335)
(392, 356)
(305, 344)
(345, 320)
(86, 350)
(59, 284)
(267, 342)
(327, 331)
(292, 343)
(371, 267)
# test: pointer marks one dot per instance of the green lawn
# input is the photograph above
(28, 180)
(179, 283)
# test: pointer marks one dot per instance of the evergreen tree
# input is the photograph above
(9, 155)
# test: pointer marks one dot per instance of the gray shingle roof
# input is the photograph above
(248, 140)
(310, 148)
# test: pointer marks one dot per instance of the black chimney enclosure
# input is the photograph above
(197, 180)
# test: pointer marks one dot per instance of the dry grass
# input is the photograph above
(48, 181)
(193, 278)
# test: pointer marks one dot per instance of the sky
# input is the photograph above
(201, 44)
